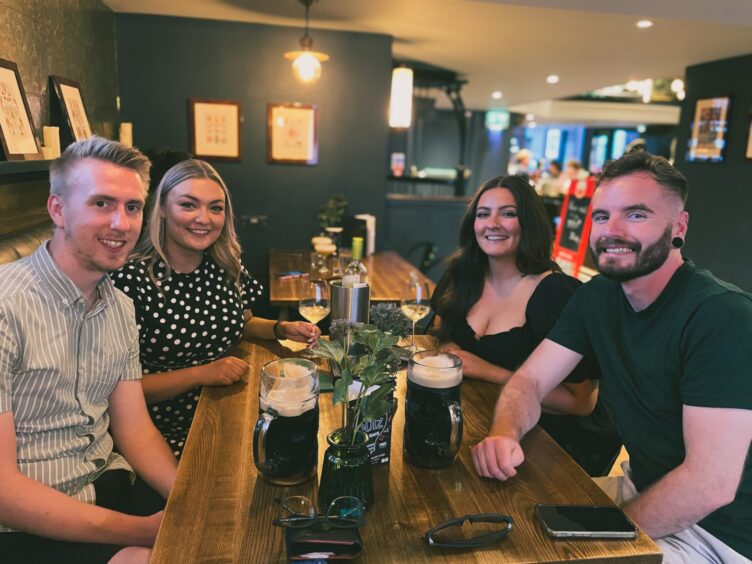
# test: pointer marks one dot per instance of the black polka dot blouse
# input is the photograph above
(194, 320)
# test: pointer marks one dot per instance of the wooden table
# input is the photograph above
(387, 274)
(220, 511)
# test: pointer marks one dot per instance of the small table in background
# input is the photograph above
(388, 273)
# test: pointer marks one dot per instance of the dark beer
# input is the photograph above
(290, 449)
(285, 445)
(433, 416)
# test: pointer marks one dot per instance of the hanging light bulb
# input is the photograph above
(401, 101)
(306, 63)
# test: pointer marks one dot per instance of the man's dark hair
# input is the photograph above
(638, 160)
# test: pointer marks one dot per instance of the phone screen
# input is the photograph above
(585, 519)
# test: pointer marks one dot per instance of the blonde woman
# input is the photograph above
(193, 298)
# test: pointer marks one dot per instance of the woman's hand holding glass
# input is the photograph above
(301, 332)
(314, 302)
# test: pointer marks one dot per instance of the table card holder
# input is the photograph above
(379, 431)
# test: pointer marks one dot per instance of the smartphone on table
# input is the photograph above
(585, 521)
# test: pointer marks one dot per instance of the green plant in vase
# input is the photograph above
(347, 465)
(332, 212)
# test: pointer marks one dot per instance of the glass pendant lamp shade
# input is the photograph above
(401, 102)
(306, 63)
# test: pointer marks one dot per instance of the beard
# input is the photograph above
(647, 260)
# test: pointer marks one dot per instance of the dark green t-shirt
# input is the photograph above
(692, 346)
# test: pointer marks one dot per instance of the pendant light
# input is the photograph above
(401, 100)
(306, 64)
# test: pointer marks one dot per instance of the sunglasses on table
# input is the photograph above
(470, 531)
(298, 512)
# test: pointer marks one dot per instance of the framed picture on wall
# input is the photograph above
(707, 142)
(17, 135)
(72, 104)
(214, 129)
(291, 134)
(748, 153)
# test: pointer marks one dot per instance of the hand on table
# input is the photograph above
(449, 347)
(301, 331)
(497, 456)
(473, 366)
(222, 372)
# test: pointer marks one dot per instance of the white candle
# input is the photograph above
(51, 136)
(126, 134)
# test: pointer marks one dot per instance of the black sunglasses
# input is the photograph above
(441, 536)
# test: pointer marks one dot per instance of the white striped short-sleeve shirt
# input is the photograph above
(58, 366)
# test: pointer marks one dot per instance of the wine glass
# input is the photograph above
(314, 303)
(415, 306)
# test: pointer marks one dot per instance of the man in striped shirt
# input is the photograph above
(69, 368)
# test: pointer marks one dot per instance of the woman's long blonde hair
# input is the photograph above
(225, 250)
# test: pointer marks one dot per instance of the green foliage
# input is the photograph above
(332, 211)
(375, 368)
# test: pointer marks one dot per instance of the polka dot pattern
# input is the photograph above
(194, 320)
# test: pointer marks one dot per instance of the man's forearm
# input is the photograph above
(32, 507)
(518, 408)
(678, 500)
(147, 452)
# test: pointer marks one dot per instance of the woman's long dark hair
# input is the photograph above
(462, 284)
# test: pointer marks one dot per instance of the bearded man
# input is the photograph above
(673, 343)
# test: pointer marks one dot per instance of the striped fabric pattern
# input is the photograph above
(58, 366)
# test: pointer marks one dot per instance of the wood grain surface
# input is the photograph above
(388, 274)
(220, 511)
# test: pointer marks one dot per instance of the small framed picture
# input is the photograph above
(291, 134)
(72, 104)
(17, 135)
(748, 153)
(214, 127)
(707, 142)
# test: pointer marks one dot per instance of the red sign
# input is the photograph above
(573, 233)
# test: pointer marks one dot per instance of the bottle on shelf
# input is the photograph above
(356, 273)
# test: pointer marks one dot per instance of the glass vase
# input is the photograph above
(347, 469)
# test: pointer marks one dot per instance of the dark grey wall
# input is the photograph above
(70, 38)
(411, 221)
(163, 61)
(720, 195)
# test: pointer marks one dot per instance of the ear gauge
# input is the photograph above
(677, 242)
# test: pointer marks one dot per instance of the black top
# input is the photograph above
(510, 349)
(194, 320)
(592, 441)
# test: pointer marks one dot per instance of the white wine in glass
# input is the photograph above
(415, 306)
(314, 302)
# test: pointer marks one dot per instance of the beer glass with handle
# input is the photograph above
(416, 305)
(314, 303)
(433, 410)
(285, 444)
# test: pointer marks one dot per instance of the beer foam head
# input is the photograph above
(289, 386)
(442, 370)
(288, 402)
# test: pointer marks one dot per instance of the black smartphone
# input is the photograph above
(585, 521)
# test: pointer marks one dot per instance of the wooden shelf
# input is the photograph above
(23, 167)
